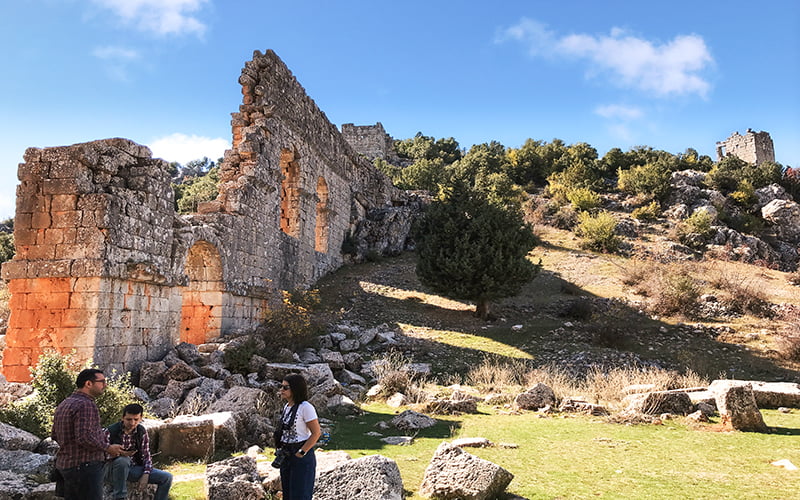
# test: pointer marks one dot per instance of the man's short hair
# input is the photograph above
(132, 409)
(85, 376)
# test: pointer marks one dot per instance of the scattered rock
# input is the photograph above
(374, 477)
(456, 474)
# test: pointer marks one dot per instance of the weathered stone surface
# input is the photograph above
(180, 371)
(26, 462)
(784, 215)
(12, 438)
(473, 442)
(191, 439)
(456, 474)
(326, 460)
(148, 492)
(752, 147)
(580, 406)
(656, 403)
(536, 397)
(374, 477)
(396, 400)
(14, 486)
(738, 411)
(410, 420)
(225, 433)
(188, 352)
(449, 406)
(767, 394)
(103, 256)
(234, 479)
(241, 401)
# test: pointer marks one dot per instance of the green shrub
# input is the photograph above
(695, 230)
(598, 231)
(53, 380)
(290, 326)
(651, 179)
(238, 355)
(745, 195)
(676, 292)
(583, 199)
(565, 217)
(651, 211)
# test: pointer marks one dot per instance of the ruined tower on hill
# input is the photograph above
(752, 147)
(106, 267)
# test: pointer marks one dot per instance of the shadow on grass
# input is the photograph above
(546, 323)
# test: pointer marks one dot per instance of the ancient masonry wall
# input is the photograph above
(753, 147)
(371, 140)
(104, 265)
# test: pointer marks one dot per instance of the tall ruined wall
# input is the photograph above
(371, 141)
(93, 235)
(105, 266)
(753, 147)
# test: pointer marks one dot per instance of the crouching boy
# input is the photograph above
(134, 463)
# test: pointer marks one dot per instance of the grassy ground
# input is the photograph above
(584, 457)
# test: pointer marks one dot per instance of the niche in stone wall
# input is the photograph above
(201, 311)
(321, 229)
(290, 193)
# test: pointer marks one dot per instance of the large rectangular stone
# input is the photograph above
(60, 186)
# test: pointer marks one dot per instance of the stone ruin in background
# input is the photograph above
(753, 147)
(105, 266)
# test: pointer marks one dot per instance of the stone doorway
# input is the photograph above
(202, 309)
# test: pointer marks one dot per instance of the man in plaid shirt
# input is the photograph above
(82, 444)
(134, 463)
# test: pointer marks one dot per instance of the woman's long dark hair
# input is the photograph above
(298, 386)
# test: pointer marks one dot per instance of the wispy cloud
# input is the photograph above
(184, 148)
(162, 17)
(665, 69)
(116, 61)
(617, 111)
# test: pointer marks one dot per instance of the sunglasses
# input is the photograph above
(285, 387)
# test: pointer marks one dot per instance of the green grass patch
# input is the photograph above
(583, 457)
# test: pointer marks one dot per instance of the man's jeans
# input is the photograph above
(120, 470)
(84, 482)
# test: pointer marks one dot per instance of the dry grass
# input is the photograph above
(393, 376)
(738, 291)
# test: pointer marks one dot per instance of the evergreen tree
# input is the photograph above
(469, 248)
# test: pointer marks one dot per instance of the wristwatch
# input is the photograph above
(301, 452)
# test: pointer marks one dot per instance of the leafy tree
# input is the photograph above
(7, 240)
(480, 160)
(423, 147)
(691, 159)
(614, 160)
(469, 248)
(193, 191)
(648, 179)
(423, 174)
(726, 174)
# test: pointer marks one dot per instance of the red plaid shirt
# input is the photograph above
(76, 429)
(129, 444)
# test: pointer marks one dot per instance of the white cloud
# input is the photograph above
(184, 148)
(671, 68)
(619, 112)
(162, 17)
(118, 53)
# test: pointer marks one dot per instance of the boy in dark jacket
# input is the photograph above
(135, 463)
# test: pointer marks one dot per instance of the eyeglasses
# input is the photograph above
(285, 387)
(101, 381)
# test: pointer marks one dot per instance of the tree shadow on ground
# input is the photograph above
(551, 322)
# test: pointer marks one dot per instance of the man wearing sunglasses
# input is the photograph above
(81, 440)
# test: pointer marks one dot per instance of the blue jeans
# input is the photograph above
(84, 482)
(120, 470)
(298, 475)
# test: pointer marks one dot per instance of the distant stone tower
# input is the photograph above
(371, 141)
(752, 147)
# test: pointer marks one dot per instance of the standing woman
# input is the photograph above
(300, 433)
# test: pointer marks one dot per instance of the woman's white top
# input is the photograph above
(305, 413)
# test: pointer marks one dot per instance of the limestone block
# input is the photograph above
(410, 420)
(225, 433)
(26, 462)
(373, 477)
(233, 479)
(737, 409)
(538, 396)
(767, 394)
(456, 474)
(656, 403)
(193, 439)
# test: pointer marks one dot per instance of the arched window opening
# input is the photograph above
(201, 312)
(321, 230)
(290, 193)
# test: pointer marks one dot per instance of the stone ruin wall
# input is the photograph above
(753, 147)
(372, 141)
(106, 267)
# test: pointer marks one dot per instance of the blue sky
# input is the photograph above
(670, 75)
